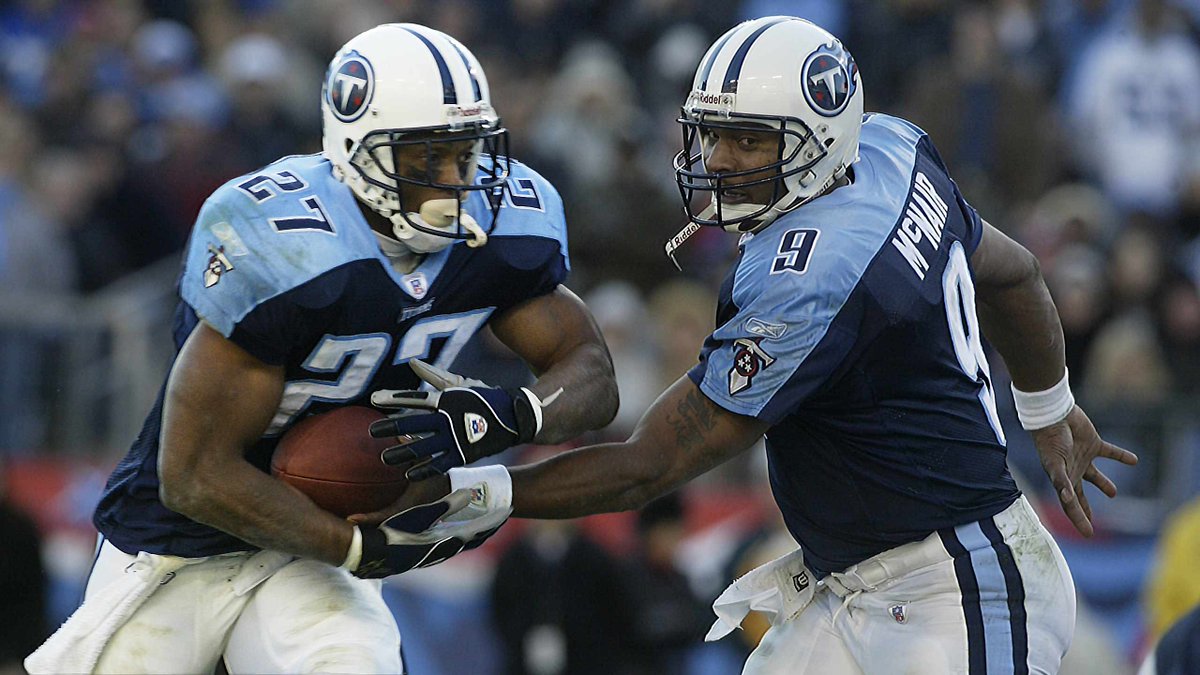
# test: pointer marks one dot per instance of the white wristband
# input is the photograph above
(494, 480)
(354, 555)
(1040, 409)
(491, 500)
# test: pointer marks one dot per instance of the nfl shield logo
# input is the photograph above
(476, 427)
(416, 285)
(898, 613)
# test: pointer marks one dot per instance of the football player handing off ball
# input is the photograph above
(850, 333)
(308, 285)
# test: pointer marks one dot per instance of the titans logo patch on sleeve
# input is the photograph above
(749, 358)
(218, 264)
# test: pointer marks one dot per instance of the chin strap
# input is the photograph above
(435, 214)
(709, 211)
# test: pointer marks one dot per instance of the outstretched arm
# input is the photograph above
(1020, 320)
(680, 437)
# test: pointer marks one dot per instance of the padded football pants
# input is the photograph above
(263, 613)
(994, 596)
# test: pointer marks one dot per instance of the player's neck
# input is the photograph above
(375, 221)
(845, 179)
(403, 259)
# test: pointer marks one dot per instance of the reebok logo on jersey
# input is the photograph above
(771, 331)
(476, 427)
(218, 264)
(748, 359)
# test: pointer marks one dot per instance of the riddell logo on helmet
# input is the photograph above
(464, 111)
(723, 102)
(459, 116)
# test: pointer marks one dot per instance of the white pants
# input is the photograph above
(304, 617)
(991, 597)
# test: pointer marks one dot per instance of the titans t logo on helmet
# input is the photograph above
(828, 79)
(350, 86)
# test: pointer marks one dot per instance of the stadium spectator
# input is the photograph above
(1174, 589)
(1136, 128)
(559, 605)
(23, 585)
(666, 620)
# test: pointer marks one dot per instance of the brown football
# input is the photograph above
(334, 460)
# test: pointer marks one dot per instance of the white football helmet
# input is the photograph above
(777, 73)
(396, 81)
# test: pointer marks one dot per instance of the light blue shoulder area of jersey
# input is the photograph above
(267, 232)
(531, 207)
(794, 277)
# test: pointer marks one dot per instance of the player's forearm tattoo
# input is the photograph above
(692, 419)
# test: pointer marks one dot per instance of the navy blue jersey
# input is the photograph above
(284, 264)
(849, 325)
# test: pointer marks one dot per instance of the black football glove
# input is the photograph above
(431, 533)
(402, 543)
(468, 420)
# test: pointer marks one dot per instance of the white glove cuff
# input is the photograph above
(1040, 409)
(492, 481)
(354, 555)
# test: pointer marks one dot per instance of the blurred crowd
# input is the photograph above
(1072, 125)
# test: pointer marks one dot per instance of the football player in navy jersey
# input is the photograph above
(850, 334)
(308, 285)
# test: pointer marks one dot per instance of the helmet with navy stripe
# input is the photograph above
(780, 74)
(405, 85)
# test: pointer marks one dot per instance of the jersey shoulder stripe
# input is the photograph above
(267, 232)
(531, 207)
(795, 277)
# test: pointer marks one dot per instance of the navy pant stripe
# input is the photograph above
(1016, 596)
(968, 585)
